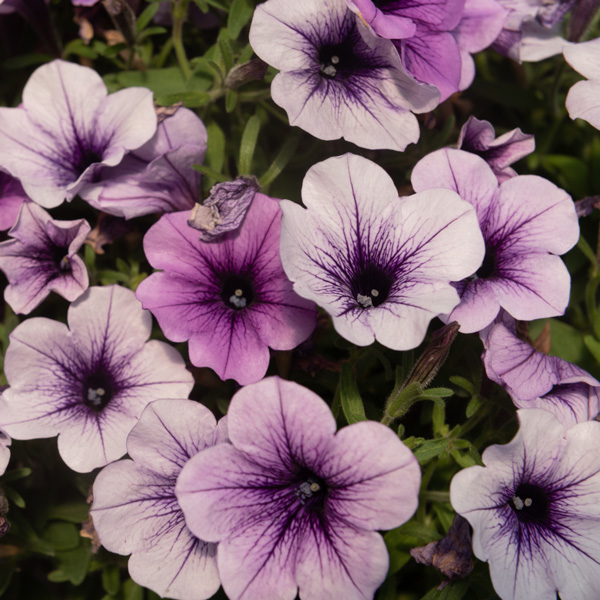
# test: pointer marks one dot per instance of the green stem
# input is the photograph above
(179, 16)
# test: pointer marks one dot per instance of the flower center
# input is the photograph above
(98, 390)
(371, 286)
(237, 291)
(488, 267)
(530, 503)
(61, 259)
(311, 491)
(83, 158)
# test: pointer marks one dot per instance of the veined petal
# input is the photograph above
(582, 102)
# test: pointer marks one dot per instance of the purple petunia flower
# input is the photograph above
(478, 137)
(526, 221)
(435, 39)
(379, 264)
(90, 381)
(295, 505)
(534, 509)
(337, 79)
(229, 298)
(158, 177)
(12, 196)
(583, 98)
(135, 510)
(535, 380)
(41, 258)
(68, 128)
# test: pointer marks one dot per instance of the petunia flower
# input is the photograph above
(293, 505)
(380, 265)
(229, 298)
(68, 128)
(41, 257)
(478, 137)
(90, 381)
(536, 380)
(12, 196)
(534, 509)
(135, 510)
(526, 222)
(337, 79)
(582, 99)
(5, 443)
(158, 177)
(435, 39)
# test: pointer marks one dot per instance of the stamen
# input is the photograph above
(518, 502)
(528, 502)
(95, 396)
(315, 487)
(237, 299)
(238, 293)
(374, 293)
(335, 60)
(364, 301)
(328, 70)
(65, 263)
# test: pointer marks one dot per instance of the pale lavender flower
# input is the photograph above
(12, 195)
(536, 380)
(135, 510)
(68, 128)
(225, 209)
(435, 39)
(479, 137)
(535, 509)
(5, 443)
(526, 222)
(90, 381)
(41, 257)
(583, 99)
(158, 177)
(380, 265)
(337, 79)
(293, 505)
(230, 298)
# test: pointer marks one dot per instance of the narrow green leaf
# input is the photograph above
(215, 151)
(438, 417)
(14, 497)
(239, 15)
(146, 16)
(352, 404)
(210, 173)
(430, 449)
(248, 145)
(73, 512)
(111, 581)
(281, 160)
(231, 99)
(453, 591)
(474, 403)
(465, 384)
(191, 99)
(132, 591)
(437, 393)
(16, 474)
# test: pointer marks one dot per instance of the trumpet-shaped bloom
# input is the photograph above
(135, 510)
(526, 221)
(535, 509)
(158, 177)
(294, 505)
(68, 128)
(379, 264)
(12, 196)
(90, 381)
(478, 137)
(230, 298)
(583, 98)
(41, 258)
(536, 380)
(338, 79)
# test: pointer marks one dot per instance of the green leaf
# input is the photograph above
(16, 474)
(78, 48)
(474, 403)
(572, 173)
(73, 564)
(593, 345)
(13, 496)
(465, 384)
(62, 536)
(26, 60)
(430, 449)
(248, 144)
(453, 591)
(438, 417)
(72, 512)
(146, 16)
(231, 99)
(352, 404)
(191, 99)
(281, 160)
(132, 591)
(111, 581)
(239, 14)
(215, 151)
(210, 173)
(437, 393)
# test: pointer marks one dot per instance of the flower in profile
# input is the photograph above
(225, 209)
(230, 298)
(41, 258)
(534, 509)
(536, 380)
(338, 79)
(582, 99)
(68, 128)
(380, 265)
(12, 196)
(158, 177)
(435, 39)
(526, 222)
(90, 381)
(135, 510)
(478, 137)
(295, 505)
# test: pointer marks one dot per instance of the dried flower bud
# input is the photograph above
(252, 70)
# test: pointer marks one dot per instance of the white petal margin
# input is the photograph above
(135, 510)
(532, 561)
